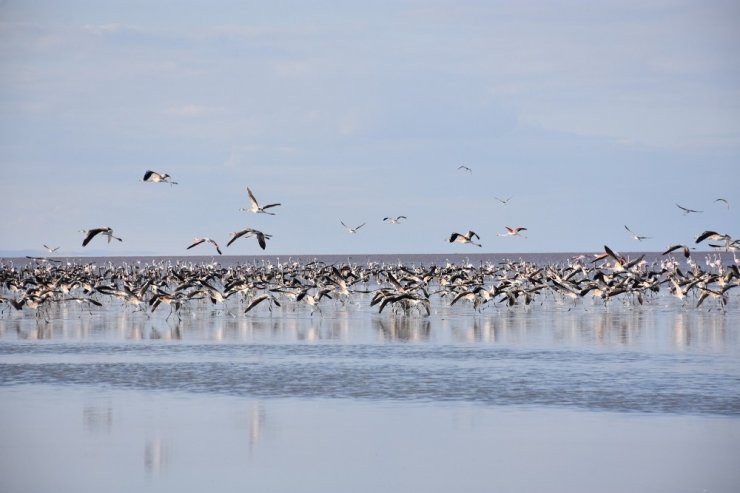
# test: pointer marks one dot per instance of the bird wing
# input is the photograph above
(342, 223)
(270, 205)
(358, 227)
(236, 235)
(196, 242)
(261, 239)
(216, 245)
(453, 237)
(705, 235)
(91, 234)
(252, 199)
(256, 301)
(613, 255)
(148, 175)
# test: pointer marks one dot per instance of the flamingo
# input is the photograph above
(255, 207)
(468, 238)
(91, 233)
(261, 237)
(513, 231)
(351, 230)
(198, 241)
(155, 177)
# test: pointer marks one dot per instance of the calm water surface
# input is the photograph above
(549, 397)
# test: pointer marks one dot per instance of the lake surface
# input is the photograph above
(551, 396)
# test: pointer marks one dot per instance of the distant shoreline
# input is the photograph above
(425, 258)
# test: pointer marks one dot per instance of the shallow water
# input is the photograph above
(82, 438)
(554, 396)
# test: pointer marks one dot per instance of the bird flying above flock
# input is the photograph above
(351, 230)
(198, 241)
(394, 220)
(92, 233)
(513, 231)
(465, 238)
(686, 210)
(155, 177)
(246, 233)
(255, 206)
(635, 236)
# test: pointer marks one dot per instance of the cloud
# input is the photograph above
(101, 29)
(193, 110)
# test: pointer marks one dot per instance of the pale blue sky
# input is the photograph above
(590, 115)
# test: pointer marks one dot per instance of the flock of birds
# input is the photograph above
(465, 238)
(608, 276)
(156, 177)
(404, 289)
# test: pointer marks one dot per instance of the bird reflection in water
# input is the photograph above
(256, 417)
(42, 329)
(156, 456)
(480, 330)
(407, 329)
(97, 419)
(681, 331)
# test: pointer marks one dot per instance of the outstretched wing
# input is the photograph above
(90, 235)
(252, 199)
(216, 245)
(705, 235)
(196, 242)
(261, 239)
(236, 235)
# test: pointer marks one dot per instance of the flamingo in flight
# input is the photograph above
(92, 233)
(255, 206)
(465, 238)
(198, 241)
(261, 237)
(351, 230)
(155, 177)
(513, 231)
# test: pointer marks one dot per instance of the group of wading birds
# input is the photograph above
(403, 289)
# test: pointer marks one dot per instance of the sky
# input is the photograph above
(590, 116)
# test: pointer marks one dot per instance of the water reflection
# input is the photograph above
(403, 329)
(156, 455)
(98, 418)
(653, 326)
(169, 442)
(257, 418)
